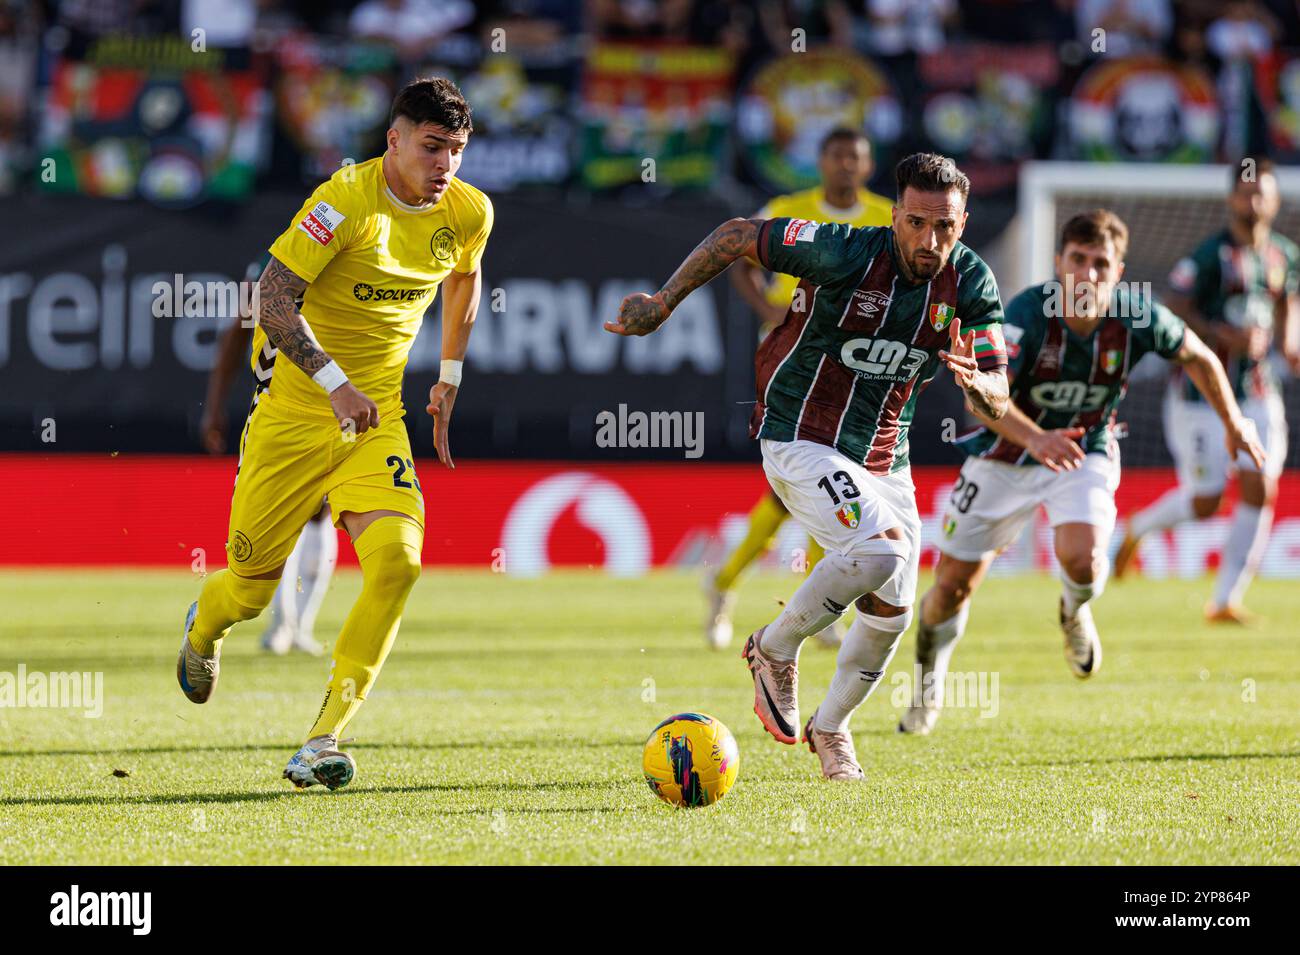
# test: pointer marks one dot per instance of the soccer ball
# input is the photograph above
(690, 760)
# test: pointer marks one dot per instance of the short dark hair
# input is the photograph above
(1263, 167)
(433, 99)
(840, 133)
(1096, 227)
(930, 172)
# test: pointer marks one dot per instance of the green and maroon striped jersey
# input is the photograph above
(1062, 380)
(860, 342)
(1239, 285)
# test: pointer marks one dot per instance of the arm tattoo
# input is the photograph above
(278, 290)
(723, 246)
(988, 394)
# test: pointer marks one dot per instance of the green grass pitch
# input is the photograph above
(507, 728)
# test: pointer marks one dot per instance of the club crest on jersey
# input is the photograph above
(850, 515)
(322, 222)
(799, 230)
(941, 315)
(443, 244)
(1111, 359)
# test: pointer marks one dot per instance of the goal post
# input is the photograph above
(1169, 210)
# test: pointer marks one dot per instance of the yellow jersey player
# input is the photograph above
(338, 308)
(844, 164)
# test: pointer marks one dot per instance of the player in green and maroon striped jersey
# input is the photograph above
(1240, 290)
(875, 314)
(1070, 345)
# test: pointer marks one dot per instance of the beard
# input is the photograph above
(926, 268)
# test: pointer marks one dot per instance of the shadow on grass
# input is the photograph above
(1160, 758)
(553, 742)
(183, 799)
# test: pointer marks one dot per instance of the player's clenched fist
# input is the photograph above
(640, 314)
(356, 413)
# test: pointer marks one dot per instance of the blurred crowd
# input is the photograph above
(1194, 30)
(894, 35)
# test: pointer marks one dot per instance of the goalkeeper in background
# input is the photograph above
(844, 164)
(311, 565)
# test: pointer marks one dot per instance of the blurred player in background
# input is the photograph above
(1238, 291)
(845, 165)
(1070, 345)
(837, 389)
(365, 254)
(310, 566)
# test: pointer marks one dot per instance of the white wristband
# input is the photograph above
(330, 377)
(450, 372)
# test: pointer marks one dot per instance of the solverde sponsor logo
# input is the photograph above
(369, 293)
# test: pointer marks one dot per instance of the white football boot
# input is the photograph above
(717, 624)
(776, 690)
(1082, 642)
(319, 762)
(927, 699)
(835, 750)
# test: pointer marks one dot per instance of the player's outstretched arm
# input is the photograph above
(1057, 449)
(278, 291)
(987, 392)
(641, 314)
(460, 296)
(1207, 374)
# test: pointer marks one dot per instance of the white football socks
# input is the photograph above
(1173, 508)
(863, 658)
(834, 583)
(934, 649)
(312, 562)
(1242, 553)
(1077, 594)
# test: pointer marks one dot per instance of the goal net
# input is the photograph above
(1169, 210)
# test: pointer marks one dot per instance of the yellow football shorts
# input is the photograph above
(289, 460)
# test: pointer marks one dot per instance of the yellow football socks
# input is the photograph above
(764, 521)
(225, 600)
(389, 551)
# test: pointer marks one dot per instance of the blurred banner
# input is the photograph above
(524, 130)
(525, 518)
(789, 104)
(110, 314)
(332, 99)
(148, 117)
(990, 107)
(655, 114)
(1144, 109)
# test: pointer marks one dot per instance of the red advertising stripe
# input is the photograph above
(156, 510)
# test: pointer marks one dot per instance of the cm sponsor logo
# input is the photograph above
(1069, 395)
(365, 292)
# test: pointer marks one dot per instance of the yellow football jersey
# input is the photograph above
(869, 210)
(373, 264)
